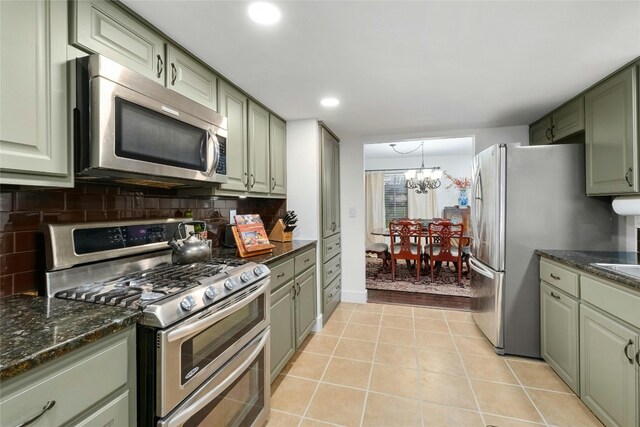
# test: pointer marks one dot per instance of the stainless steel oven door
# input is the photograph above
(237, 395)
(192, 350)
(136, 134)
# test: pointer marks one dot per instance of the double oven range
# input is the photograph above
(203, 334)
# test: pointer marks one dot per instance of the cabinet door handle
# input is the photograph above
(552, 135)
(638, 357)
(553, 276)
(295, 292)
(299, 289)
(50, 404)
(555, 296)
(253, 179)
(629, 344)
(626, 177)
(273, 184)
(245, 181)
(548, 134)
(159, 66)
(174, 74)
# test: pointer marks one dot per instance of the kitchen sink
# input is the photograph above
(632, 270)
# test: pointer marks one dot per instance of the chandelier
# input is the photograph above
(424, 179)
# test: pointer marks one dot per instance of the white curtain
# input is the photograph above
(421, 205)
(374, 205)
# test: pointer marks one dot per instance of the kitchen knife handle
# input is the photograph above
(626, 177)
(50, 404)
(159, 66)
(626, 347)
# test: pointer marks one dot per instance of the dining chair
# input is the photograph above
(381, 250)
(444, 240)
(405, 244)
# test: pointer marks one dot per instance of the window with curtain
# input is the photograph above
(395, 196)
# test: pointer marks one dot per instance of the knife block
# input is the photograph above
(278, 234)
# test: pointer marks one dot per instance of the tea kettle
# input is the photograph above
(189, 250)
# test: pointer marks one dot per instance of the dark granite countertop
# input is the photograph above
(582, 260)
(281, 250)
(35, 329)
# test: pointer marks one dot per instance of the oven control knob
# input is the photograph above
(188, 303)
(258, 271)
(245, 277)
(211, 292)
(229, 284)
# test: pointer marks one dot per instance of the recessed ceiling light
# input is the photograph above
(264, 13)
(329, 102)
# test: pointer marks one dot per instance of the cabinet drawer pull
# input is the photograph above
(555, 296)
(280, 275)
(626, 177)
(330, 297)
(329, 271)
(553, 276)
(337, 265)
(307, 260)
(159, 66)
(50, 404)
(329, 248)
(629, 344)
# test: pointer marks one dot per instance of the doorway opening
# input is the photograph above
(441, 171)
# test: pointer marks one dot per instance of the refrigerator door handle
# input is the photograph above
(476, 266)
(476, 217)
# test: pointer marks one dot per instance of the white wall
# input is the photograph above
(456, 166)
(303, 177)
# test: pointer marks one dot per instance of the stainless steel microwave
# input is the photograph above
(130, 129)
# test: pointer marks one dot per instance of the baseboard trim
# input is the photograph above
(357, 297)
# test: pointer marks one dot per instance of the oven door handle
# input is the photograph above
(183, 416)
(202, 324)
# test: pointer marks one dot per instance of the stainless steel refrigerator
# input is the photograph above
(525, 198)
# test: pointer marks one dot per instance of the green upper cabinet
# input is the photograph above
(568, 119)
(540, 132)
(278, 155)
(258, 138)
(233, 105)
(563, 122)
(102, 27)
(330, 183)
(188, 77)
(34, 138)
(611, 130)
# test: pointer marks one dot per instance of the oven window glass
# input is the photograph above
(240, 404)
(202, 349)
(149, 136)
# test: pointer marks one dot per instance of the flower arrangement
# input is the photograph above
(459, 183)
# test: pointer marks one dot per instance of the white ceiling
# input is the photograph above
(432, 148)
(402, 67)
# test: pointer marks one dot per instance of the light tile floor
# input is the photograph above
(391, 365)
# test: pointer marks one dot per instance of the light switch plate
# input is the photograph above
(352, 212)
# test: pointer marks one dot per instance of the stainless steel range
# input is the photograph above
(203, 337)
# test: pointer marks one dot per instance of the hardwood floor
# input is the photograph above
(414, 298)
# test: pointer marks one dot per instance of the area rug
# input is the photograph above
(446, 282)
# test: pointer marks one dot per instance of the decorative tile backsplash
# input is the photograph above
(22, 259)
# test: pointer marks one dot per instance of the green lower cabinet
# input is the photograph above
(305, 304)
(283, 337)
(608, 372)
(559, 333)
